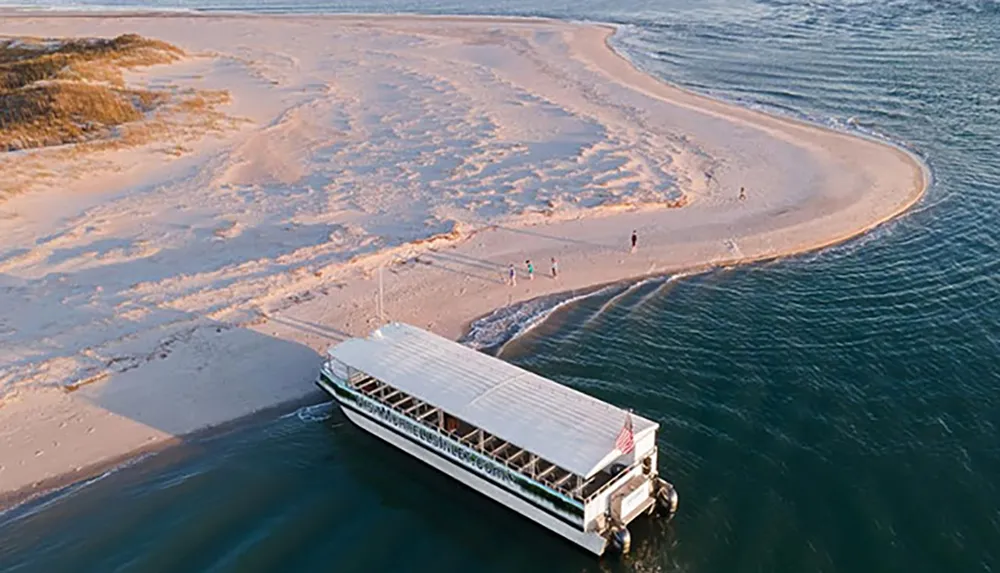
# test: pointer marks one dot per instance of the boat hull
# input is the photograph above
(590, 541)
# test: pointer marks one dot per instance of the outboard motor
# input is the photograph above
(621, 540)
(666, 497)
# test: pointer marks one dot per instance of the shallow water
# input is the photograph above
(830, 412)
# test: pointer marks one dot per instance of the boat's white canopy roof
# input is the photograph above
(568, 428)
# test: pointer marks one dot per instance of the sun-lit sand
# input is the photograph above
(154, 291)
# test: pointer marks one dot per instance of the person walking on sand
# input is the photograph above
(743, 194)
(635, 240)
(531, 270)
(512, 275)
(555, 268)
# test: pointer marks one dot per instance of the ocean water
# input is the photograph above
(832, 412)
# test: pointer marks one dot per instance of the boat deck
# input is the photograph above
(499, 450)
(545, 449)
(571, 430)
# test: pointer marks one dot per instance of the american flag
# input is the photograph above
(624, 442)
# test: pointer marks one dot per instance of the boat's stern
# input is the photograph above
(631, 492)
(642, 494)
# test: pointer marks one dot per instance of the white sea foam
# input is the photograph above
(504, 325)
(314, 413)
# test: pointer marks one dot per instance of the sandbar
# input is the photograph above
(149, 293)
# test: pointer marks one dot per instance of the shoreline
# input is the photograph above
(586, 243)
(910, 155)
(56, 485)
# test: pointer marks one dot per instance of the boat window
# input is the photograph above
(492, 446)
(403, 403)
(544, 468)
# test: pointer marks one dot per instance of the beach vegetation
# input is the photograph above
(57, 92)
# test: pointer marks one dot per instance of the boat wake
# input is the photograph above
(493, 332)
(37, 503)
(660, 287)
(315, 413)
(618, 297)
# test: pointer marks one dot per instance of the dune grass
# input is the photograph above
(54, 92)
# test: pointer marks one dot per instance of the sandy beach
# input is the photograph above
(149, 293)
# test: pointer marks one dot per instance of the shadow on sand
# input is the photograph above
(201, 379)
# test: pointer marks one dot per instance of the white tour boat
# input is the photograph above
(570, 462)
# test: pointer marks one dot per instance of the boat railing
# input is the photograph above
(517, 461)
(472, 437)
(615, 480)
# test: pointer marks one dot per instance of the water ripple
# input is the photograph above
(829, 412)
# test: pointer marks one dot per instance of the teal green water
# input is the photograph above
(834, 412)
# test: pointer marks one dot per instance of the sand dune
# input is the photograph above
(153, 294)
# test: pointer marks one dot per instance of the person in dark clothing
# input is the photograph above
(635, 240)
